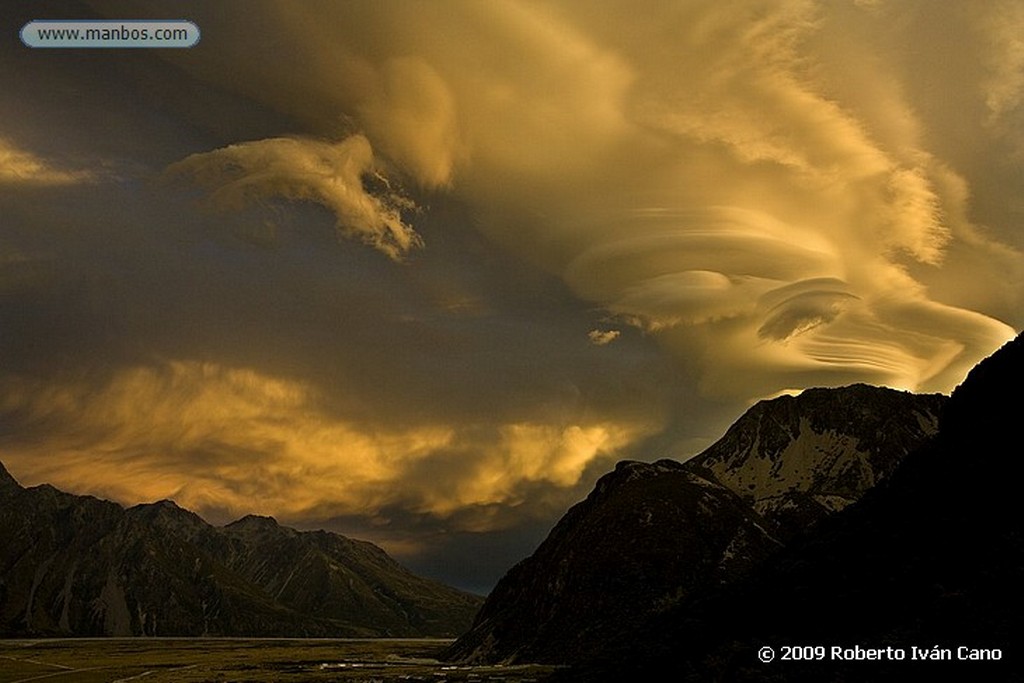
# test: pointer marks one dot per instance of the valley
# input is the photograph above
(253, 660)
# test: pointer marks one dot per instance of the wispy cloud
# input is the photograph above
(22, 167)
(331, 174)
(602, 337)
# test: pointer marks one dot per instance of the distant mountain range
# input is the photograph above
(80, 566)
(683, 572)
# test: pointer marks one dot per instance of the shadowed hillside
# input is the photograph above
(76, 565)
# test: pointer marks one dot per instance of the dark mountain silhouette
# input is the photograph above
(652, 537)
(932, 558)
(76, 565)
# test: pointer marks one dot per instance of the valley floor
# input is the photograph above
(194, 660)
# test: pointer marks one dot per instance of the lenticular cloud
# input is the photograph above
(697, 170)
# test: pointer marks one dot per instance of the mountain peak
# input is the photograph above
(932, 554)
(6, 480)
(636, 469)
(990, 394)
(254, 523)
(164, 504)
(162, 508)
(651, 535)
(830, 443)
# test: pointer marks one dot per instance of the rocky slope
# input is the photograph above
(653, 536)
(632, 546)
(76, 565)
(798, 459)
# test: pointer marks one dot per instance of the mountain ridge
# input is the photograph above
(933, 557)
(651, 536)
(78, 565)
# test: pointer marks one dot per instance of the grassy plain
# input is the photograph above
(238, 660)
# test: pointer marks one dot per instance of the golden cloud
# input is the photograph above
(330, 174)
(602, 337)
(233, 439)
(677, 166)
(21, 167)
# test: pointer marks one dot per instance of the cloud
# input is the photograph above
(654, 265)
(602, 337)
(1001, 25)
(801, 307)
(678, 166)
(21, 167)
(498, 465)
(237, 440)
(330, 174)
(791, 156)
(674, 166)
(413, 115)
(774, 193)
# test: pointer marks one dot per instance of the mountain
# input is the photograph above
(631, 546)
(932, 558)
(654, 536)
(76, 565)
(798, 459)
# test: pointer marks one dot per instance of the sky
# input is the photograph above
(421, 272)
